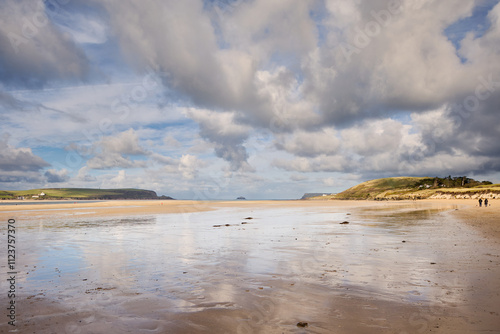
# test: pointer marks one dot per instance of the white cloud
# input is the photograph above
(113, 160)
(226, 133)
(83, 175)
(126, 142)
(57, 176)
(189, 166)
(374, 137)
(164, 160)
(118, 181)
(34, 49)
(309, 144)
(264, 27)
(298, 177)
(171, 142)
(329, 182)
(321, 163)
(19, 159)
(84, 29)
(484, 50)
(112, 152)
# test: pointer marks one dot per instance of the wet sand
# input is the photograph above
(175, 267)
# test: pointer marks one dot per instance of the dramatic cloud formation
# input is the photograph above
(227, 135)
(256, 97)
(34, 51)
(19, 164)
(112, 152)
(19, 159)
(55, 176)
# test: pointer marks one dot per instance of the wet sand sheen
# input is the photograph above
(395, 268)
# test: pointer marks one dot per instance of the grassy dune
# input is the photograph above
(398, 188)
(80, 193)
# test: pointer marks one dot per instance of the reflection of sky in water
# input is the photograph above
(56, 262)
(177, 255)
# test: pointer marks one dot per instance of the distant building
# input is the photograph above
(42, 194)
(35, 196)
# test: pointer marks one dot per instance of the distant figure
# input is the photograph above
(486, 202)
(480, 202)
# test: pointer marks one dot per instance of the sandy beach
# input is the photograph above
(255, 267)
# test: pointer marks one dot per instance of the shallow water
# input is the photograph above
(189, 273)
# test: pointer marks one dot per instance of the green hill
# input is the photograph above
(398, 188)
(79, 193)
(385, 187)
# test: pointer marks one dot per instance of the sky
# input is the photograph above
(215, 99)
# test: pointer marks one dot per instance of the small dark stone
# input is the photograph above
(227, 225)
(433, 262)
(346, 222)
(403, 241)
(302, 324)
(243, 223)
(217, 225)
(249, 218)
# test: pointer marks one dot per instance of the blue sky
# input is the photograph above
(220, 99)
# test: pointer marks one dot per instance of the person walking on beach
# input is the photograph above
(486, 202)
(480, 202)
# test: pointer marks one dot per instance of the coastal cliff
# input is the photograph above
(79, 193)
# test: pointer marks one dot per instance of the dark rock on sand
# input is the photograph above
(302, 324)
(346, 222)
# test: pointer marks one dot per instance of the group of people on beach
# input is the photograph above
(481, 202)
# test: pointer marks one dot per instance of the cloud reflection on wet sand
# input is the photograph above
(400, 268)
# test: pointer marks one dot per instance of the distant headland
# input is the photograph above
(80, 194)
